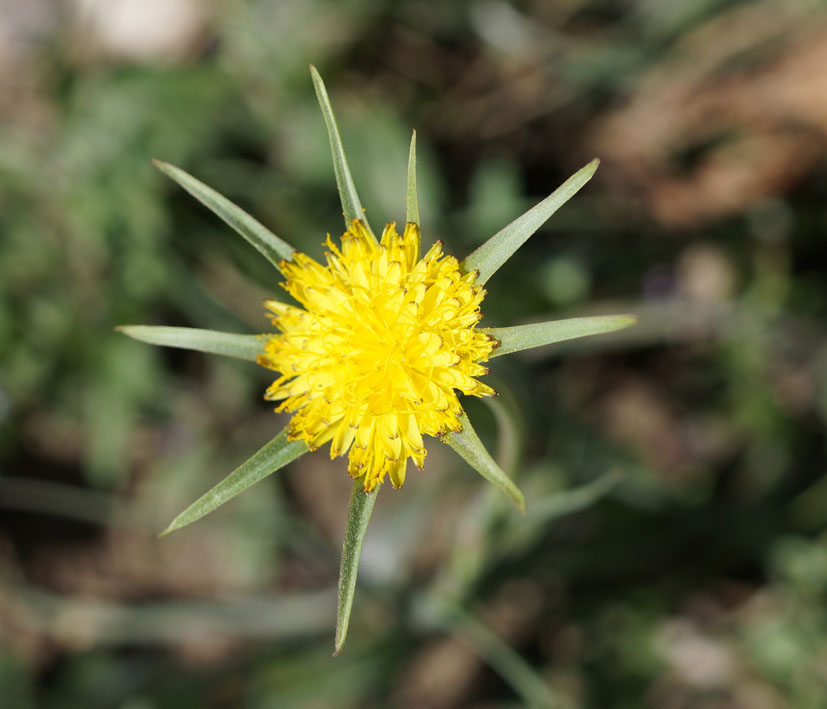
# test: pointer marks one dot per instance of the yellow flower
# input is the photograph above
(374, 360)
(377, 355)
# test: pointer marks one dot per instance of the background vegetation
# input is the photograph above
(674, 553)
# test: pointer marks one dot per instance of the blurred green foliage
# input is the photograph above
(673, 554)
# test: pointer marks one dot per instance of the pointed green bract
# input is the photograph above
(351, 205)
(500, 247)
(276, 454)
(190, 338)
(523, 337)
(272, 247)
(470, 448)
(412, 198)
(358, 516)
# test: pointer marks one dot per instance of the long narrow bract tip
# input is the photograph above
(488, 258)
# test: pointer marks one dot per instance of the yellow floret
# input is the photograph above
(374, 360)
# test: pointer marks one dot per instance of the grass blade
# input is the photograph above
(189, 338)
(351, 206)
(574, 500)
(509, 664)
(500, 247)
(358, 516)
(547, 510)
(509, 434)
(276, 454)
(272, 247)
(470, 448)
(523, 337)
(412, 198)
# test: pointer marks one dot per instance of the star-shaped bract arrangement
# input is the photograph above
(374, 357)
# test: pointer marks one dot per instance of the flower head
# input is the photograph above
(374, 360)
